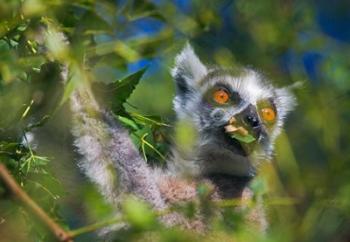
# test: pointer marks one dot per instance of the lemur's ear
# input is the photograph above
(285, 101)
(188, 70)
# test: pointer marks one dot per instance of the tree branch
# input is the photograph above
(22, 196)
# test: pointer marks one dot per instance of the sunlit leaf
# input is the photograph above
(33, 7)
(138, 214)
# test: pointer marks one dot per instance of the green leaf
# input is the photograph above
(13, 43)
(244, 138)
(135, 10)
(138, 213)
(4, 45)
(122, 89)
(12, 150)
(127, 122)
(115, 94)
(76, 76)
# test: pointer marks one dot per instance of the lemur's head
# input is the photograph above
(238, 114)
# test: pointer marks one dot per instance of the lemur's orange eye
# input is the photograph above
(221, 96)
(268, 114)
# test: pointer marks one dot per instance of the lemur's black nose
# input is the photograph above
(252, 120)
(250, 116)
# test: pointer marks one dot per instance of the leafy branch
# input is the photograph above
(135, 212)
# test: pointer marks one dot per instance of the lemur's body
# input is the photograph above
(218, 103)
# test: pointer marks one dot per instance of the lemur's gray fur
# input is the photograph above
(114, 164)
(109, 157)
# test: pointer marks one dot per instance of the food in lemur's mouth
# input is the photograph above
(238, 132)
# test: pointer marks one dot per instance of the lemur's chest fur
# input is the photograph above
(174, 189)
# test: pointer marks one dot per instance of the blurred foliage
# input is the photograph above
(111, 43)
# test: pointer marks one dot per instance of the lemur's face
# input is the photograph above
(238, 114)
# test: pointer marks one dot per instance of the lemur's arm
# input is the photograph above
(110, 159)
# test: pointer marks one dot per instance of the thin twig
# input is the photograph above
(113, 221)
(94, 227)
(22, 196)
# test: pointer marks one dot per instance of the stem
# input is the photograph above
(94, 227)
(118, 220)
(22, 196)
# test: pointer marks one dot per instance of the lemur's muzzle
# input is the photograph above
(245, 126)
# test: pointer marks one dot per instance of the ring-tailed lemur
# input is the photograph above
(237, 115)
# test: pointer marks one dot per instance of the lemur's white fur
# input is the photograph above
(188, 64)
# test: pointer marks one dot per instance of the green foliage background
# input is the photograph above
(109, 42)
